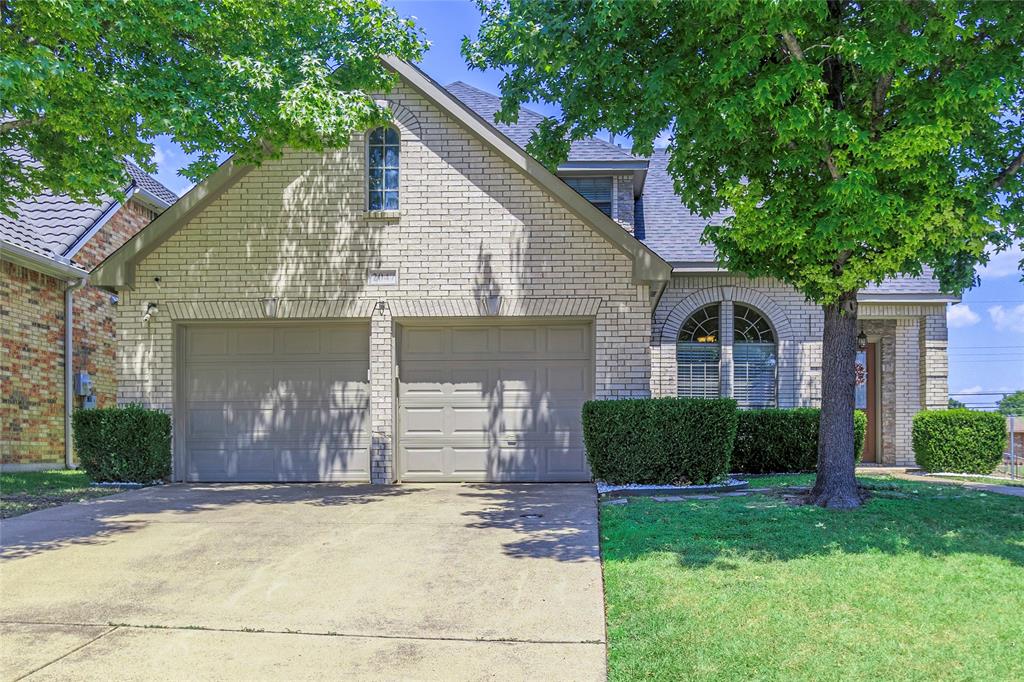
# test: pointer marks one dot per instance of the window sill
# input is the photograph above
(383, 215)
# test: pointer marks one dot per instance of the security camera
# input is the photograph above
(150, 312)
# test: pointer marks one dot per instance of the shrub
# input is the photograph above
(959, 440)
(123, 444)
(659, 440)
(784, 440)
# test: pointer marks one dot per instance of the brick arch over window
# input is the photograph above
(403, 117)
(665, 341)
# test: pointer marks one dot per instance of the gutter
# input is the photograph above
(61, 269)
(69, 370)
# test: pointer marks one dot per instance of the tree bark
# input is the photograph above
(836, 486)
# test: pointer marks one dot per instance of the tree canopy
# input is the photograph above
(1012, 404)
(85, 83)
(854, 141)
(851, 140)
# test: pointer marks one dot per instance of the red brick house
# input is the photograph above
(46, 254)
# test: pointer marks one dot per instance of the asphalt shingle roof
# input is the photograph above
(50, 224)
(486, 105)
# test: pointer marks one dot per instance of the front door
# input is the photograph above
(867, 398)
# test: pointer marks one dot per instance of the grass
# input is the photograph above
(28, 491)
(923, 582)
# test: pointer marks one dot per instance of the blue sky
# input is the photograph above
(986, 330)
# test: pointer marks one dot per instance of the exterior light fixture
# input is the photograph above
(151, 311)
(862, 341)
(380, 307)
(270, 307)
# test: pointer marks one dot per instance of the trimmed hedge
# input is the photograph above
(959, 440)
(127, 444)
(775, 441)
(659, 440)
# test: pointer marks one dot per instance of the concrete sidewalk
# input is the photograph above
(916, 475)
(307, 582)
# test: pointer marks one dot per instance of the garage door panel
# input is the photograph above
(204, 343)
(470, 461)
(567, 341)
(471, 340)
(493, 402)
(254, 342)
(424, 461)
(518, 340)
(205, 383)
(277, 404)
(566, 460)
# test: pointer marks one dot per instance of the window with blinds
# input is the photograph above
(698, 355)
(597, 191)
(754, 360)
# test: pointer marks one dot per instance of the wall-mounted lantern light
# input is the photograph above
(862, 341)
(270, 307)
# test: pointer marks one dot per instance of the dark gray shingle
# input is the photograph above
(486, 105)
(50, 224)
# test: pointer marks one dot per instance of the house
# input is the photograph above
(46, 254)
(432, 304)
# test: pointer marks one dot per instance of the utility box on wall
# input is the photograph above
(83, 384)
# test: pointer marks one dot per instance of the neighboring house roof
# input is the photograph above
(55, 226)
(486, 105)
(119, 268)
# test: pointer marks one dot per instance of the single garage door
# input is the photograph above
(275, 402)
(493, 402)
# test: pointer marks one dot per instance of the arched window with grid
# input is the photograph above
(699, 355)
(755, 359)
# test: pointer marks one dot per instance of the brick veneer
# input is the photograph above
(471, 228)
(32, 319)
(912, 337)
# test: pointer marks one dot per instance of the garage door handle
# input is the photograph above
(511, 440)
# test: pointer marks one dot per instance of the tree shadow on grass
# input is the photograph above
(935, 521)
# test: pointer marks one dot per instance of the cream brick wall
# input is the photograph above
(912, 338)
(471, 227)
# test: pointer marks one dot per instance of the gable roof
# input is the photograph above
(119, 268)
(55, 226)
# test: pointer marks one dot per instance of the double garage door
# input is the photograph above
(475, 402)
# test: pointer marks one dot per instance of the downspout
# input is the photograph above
(69, 370)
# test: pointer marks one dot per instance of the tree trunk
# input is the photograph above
(836, 486)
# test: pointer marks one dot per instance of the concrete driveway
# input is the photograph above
(295, 582)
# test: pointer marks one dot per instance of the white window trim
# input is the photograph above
(385, 214)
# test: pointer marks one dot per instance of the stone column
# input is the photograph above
(934, 344)
(725, 337)
(382, 387)
(907, 387)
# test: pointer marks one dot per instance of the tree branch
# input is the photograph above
(19, 123)
(878, 100)
(1009, 171)
(793, 46)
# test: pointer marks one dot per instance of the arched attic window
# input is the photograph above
(699, 355)
(383, 151)
(755, 359)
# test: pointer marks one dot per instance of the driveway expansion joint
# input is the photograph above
(66, 653)
(265, 631)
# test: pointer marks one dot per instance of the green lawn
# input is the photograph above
(923, 582)
(28, 491)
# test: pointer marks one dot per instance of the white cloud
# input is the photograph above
(1003, 264)
(961, 315)
(970, 389)
(1007, 318)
